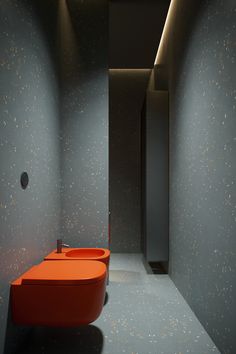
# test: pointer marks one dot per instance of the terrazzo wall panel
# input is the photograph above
(29, 219)
(127, 92)
(155, 165)
(84, 123)
(202, 86)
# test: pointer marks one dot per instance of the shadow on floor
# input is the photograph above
(43, 340)
(51, 340)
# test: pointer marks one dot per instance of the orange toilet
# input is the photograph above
(59, 293)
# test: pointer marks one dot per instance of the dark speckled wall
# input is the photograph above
(127, 92)
(84, 40)
(53, 125)
(29, 130)
(202, 84)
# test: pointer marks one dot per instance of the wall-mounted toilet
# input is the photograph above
(59, 293)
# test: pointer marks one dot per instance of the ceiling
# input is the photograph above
(135, 28)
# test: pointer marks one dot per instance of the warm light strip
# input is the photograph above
(129, 69)
(147, 69)
(165, 31)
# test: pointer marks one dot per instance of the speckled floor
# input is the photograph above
(144, 314)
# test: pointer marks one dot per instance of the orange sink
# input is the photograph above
(96, 254)
(86, 253)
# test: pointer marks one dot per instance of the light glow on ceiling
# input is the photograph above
(165, 33)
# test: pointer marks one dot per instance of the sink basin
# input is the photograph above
(85, 253)
(98, 254)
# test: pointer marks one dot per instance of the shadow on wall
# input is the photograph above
(50, 340)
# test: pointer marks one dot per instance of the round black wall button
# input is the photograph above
(24, 180)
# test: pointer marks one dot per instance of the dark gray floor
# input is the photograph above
(144, 314)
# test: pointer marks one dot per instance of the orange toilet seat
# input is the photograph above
(59, 293)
